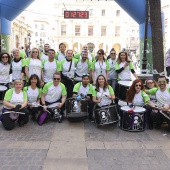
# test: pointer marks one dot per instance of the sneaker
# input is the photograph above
(91, 119)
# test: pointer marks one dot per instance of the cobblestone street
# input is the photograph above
(82, 146)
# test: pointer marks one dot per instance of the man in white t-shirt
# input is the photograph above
(163, 100)
(54, 92)
(50, 66)
(44, 56)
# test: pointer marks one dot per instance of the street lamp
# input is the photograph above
(29, 39)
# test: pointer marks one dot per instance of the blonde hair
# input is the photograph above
(18, 81)
(31, 56)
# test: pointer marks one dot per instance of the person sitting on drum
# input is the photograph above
(103, 94)
(68, 66)
(15, 100)
(83, 65)
(163, 100)
(149, 84)
(136, 96)
(124, 68)
(54, 92)
(33, 91)
(84, 90)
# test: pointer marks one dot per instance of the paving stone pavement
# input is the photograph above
(82, 146)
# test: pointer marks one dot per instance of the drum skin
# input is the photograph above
(76, 116)
(132, 121)
(106, 115)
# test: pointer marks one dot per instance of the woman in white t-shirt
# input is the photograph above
(33, 91)
(5, 61)
(100, 66)
(15, 100)
(17, 65)
(33, 65)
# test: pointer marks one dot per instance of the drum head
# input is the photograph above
(125, 83)
(137, 109)
(53, 105)
(3, 88)
(78, 79)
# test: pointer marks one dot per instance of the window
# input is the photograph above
(117, 31)
(117, 13)
(36, 33)
(103, 12)
(36, 26)
(103, 31)
(90, 31)
(77, 30)
(63, 29)
(91, 12)
(42, 26)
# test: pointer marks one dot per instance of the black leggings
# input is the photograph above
(2, 93)
(9, 124)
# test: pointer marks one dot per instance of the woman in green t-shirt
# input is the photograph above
(15, 100)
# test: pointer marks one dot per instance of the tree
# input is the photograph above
(157, 38)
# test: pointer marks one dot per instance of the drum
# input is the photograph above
(132, 120)
(54, 111)
(106, 115)
(3, 88)
(123, 87)
(77, 79)
(76, 111)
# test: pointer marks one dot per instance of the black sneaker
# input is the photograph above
(91, 119)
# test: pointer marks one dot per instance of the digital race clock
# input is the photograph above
(76, 14)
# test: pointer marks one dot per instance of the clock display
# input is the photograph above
(76, 14)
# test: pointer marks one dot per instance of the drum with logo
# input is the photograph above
(76, 111)
(123, 87)
(132, 119)
(54, 111)
(106, 115)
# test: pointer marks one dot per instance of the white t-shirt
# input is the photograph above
(61, 57)
(4, 73)
(54, 93)
(17, 98)
(35, 67)
(101, 94)
(126, 73)
(138, 99)
(162, 97)
(100, 68)
(32, 94)
(16, 70)
(49, 69)
(66, 66)
(83, 90)
(44, 57)
(82, 68)
(112, 72)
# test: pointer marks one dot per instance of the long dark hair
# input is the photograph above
(9, 57)
(97, 83)
(32, 77)
(131, 92)
(119, 59)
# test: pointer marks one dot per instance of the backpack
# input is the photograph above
(42, 118)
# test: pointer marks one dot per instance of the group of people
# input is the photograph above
(51, 77)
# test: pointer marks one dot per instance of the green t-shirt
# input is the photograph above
(78, 88)
(22, 54)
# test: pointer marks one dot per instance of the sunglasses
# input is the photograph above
(4, 56)
(56, 79)
(149, 82)
(35, 52)
(100, 53)
(161, 82)
(138, 85)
